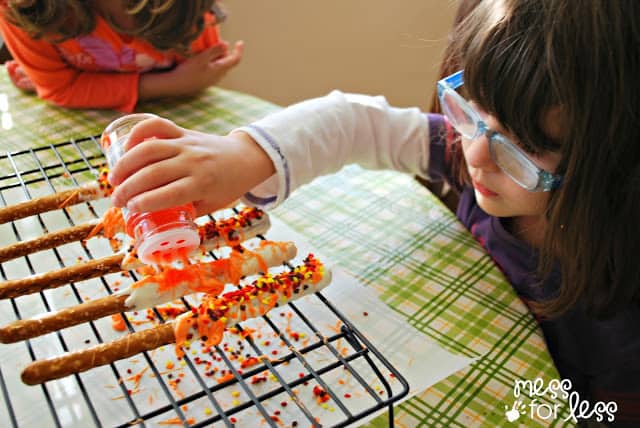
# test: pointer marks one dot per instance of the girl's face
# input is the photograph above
(496, 193)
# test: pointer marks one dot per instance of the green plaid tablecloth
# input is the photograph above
(390, 233)
(26, 121)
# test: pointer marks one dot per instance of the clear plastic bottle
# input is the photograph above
(161, 236)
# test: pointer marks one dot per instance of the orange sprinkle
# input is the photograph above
(336, 328)
(69, 199)
(117, 322)
(137, 377)
(176, 421)
(112, 223)
(225, 378)
(249, 362)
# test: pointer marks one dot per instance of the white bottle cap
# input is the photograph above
(167, 241)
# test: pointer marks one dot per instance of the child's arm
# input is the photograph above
(302, 142)
(63, 85)
(320, 136)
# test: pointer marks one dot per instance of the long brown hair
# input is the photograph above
(165, 24)
(522, 58)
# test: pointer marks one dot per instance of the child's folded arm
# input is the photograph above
(61, 84)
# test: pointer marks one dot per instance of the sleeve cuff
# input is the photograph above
(273, 191)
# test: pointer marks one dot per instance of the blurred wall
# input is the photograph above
(296, 49)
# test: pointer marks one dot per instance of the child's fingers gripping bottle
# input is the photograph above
(160, 236)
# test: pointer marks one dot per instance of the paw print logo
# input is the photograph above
(513, 413)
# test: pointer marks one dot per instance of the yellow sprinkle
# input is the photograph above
(303, 335)
(207, 411)
(324, 406)
(183, 363)
(194, 352)
(332, 409)
(236, 402)
(273, 377)
(236, 393)
(186, 344)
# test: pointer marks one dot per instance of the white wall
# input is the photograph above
(296, 49)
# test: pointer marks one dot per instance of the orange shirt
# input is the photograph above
(98, 70)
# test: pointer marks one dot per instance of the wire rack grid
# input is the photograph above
(216, 387)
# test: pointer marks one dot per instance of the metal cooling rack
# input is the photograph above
(325, 356)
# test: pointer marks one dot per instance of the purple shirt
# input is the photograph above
(600, 357)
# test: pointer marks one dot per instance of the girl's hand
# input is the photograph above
(19, 77)
(197, 73)
(166, 166)
(206, 68)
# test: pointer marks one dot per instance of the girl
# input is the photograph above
(540, 137)
(111, 54)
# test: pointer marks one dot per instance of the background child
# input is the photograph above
(111, 54)
(547, 167)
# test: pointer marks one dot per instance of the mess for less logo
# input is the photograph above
(578, 408)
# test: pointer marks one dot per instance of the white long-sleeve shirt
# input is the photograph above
(320, 136)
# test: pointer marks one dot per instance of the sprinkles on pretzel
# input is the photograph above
(159, 288)
(209, 321)
(216, 313)
(89, 192)
(230, 230)
(248, 223)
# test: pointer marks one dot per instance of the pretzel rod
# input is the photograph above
(48, 241)
(80, 361)
(248, 223)
(81, 271)
(112, 223)
(88, 192)
(208, 320)
(53, 321)
(217, 274)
